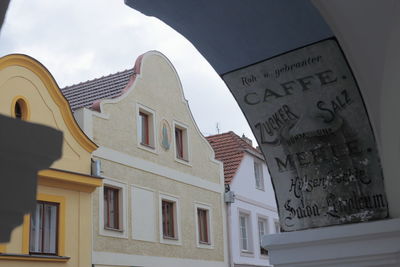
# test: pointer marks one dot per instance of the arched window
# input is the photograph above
(20, 109)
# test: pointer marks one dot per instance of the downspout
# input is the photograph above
(229, 198)
(228, 222)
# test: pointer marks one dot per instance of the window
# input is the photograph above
(145, 128)
(245, 233)
(258, 174)
(111, 208)
(168, 219)
(181, 143)
(169, 224)
(44, 228)
(19, 110)
(203, 226)
(277, 226)
(262, 230)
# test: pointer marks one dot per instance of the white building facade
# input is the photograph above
(253, 212)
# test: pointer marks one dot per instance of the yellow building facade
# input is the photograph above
(59, 232)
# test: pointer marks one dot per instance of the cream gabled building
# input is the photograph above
(162, 200)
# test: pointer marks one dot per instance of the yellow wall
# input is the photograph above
(69, 182)
(21, 76)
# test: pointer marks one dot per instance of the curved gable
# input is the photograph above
(154, 86)
(22, 77)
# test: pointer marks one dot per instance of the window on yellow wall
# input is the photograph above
(44, 229)
(19, 109)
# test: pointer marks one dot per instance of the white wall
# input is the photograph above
(244, 182)
(257, 203)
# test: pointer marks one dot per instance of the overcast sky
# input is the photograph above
(82, 40)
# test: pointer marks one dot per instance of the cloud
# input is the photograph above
(82, 40)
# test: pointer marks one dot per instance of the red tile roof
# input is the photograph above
(230, 148)
(86, 93)
(89, 94)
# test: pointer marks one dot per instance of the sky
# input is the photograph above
(82, 40)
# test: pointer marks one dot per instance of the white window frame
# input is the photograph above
(186, 146)
(249, 231)
(152, 128)
(123, 209)
(259, 165)
(175, 200)
(266, 231)
(277, 226)
(203, 206)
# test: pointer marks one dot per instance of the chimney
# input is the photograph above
(247, 140)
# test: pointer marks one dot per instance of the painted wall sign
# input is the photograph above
(309, 118)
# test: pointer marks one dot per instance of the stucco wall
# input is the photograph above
(77, 244)
(244, 182)
(18, 82)
(158, 88)
(22, 77)
(187, 195)
(257, 204)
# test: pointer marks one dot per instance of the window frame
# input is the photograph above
(205, 207)
(122, 209)
(176, 240)
(169, 232)
(146, 118)
(277, 226)
(266, 231)
(250, 249)
(151, 145)
(185, 159)
(24, 106)
(60, 240)
(116, 207)
(259, 175)
(42, 225)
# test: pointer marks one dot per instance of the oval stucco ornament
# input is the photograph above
(165, 134)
